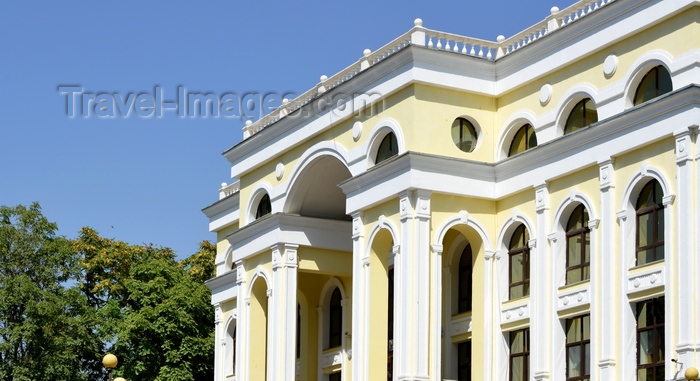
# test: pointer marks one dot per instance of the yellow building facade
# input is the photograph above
(449, 208)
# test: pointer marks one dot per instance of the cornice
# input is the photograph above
(225, 204)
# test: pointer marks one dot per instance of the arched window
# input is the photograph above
(464, 134)
(519, 256)
(389, 147)
(582, 115)
(231, 348)
(656, 82)
(650, 224)
(523, 140)
(264, 207)
(465, 281)
(578, 240)
(335, 326)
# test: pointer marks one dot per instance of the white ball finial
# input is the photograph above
(500, 38)
(285, 100)
(248, 122)
(554, 10)
(366, 52)
(323, 78)
(418, 23)
(224, 185)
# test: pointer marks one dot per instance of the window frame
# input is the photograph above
(657, 212)
(658, 338)
(585, 235)
(387, 148)
(264, 207)
(582, 343)
(639, 98)
(335, 326)
(465, 280)
(525, 354)
(581, 108)
(459, 140)
(528, 134)
(524, 249)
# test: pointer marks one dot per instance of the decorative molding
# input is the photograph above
(571, 298)
(653, 277)
(520, 311)
(460, 325)
(331, 358)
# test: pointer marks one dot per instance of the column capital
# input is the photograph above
(541, 197)
(606, 172)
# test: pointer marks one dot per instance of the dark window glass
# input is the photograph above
(578, 256)
(336, 320)
(390, 324)
(519, 256)
(464, 134)
(464, 361)
(387, 148)
(520, 355)
(650, 340)
(656, 82)
(583, 114)
(334, 377)
(578, 348)
(650, 224)
(465, 281)
(264, 207)
(523, 140)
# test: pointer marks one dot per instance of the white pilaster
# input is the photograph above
(359, 349)
(220, 344)
(541, 294)
(282, 364)
(687, 269)
(603, 277)
(490, 299)
(242, 329)
(436, 315)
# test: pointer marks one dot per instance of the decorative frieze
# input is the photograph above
(572, 298)
(651, 278)
(461, 325)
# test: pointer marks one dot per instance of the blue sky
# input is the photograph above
(146, 179)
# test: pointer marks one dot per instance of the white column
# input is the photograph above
(220, 344)
(284, 313)
(358, 349)
(603, 279)
(540, 291)
(687, 269)
(412, 290)
(242, 328)
(436, 316)
(490, 328)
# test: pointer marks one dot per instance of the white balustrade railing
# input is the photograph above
(228, 190)
(420, 36)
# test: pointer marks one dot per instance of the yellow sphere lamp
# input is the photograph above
(119, 379)
(110, 362)
(691, 373)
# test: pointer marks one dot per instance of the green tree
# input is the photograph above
(156, 311)
(46, 325)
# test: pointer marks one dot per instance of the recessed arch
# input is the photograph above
(314, 190)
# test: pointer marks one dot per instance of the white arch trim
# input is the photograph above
(377, 132)
(327, 287)
(634, 185)
(259, 273)
(462, 218)
(324, 148)
(510, 127)
(570, 99)
(639, 69)
(382, 223)
(255, 196)
(507, 227)
(574, 197)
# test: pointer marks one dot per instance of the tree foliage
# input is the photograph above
(65, 303)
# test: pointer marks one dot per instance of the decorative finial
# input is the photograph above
(324, 78)
(285, 100)
(500, 38)
(224, 185)
(248, 122)
(418, 23)
(554, 10)
(366, 52)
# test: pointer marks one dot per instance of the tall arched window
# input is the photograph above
(335, 326)
(523, 140)
(578, 240)
(582, 115)
(464, 134)
(231, 348)
(656, 82)
(264, 207)
(388, 148)
(519, 256)
(464, 293)
(650, 224)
